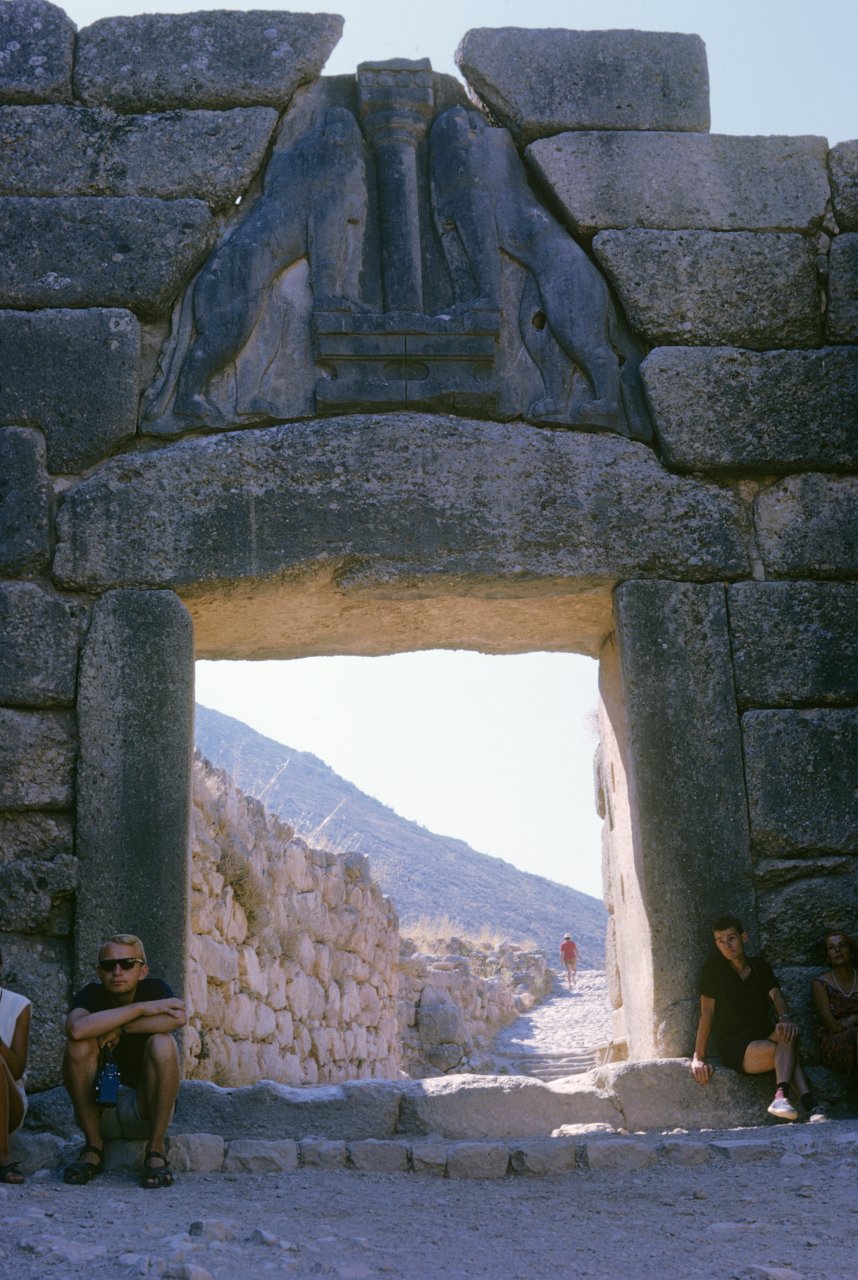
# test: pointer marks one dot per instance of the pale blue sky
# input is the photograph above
(498, 750)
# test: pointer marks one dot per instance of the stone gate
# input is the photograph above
(300, 365)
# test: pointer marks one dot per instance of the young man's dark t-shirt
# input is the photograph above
(743, 1007)
(128, 1053)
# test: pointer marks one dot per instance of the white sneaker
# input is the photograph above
(782, 1109)
(817, 1116)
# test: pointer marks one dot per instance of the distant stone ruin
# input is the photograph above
(301, 365)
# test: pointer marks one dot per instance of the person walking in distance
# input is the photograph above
(569, 956)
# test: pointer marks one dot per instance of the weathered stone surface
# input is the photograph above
(196, 1152)
(685, 181)
(37, 837)
(25, 501)
(814, 657)
(843, 166)
(800, 768)
(807, 527)
(684, 1152)
(74, 375)
(36, 1151)
(41, 637)
(323, 1153)
(80, 151)
(408, 495)
(742, 1150)
(36, 52)
(793, 917)
(540, 82)
(688, 848)
(492, 1107)
(253, 1155)
(39, 969)
(38, 897)
(726, 409)
(619, 1154)
(135, 714)
(841, 319)
(37, 753)
(93, 251)
(544, 1155)
(379, 1155)
(477, 1160)
(429, 1156)
(715, 288)
(348, 1112)
(210, 59)
(663, 1093)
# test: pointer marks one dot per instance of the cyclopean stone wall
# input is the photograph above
(385, 478)
(294, 951)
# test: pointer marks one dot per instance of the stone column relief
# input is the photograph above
(396, 257)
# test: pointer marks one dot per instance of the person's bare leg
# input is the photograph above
(159, 1086)
(80, 1064)
(11, 1115)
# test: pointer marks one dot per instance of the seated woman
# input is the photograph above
(14, 1043)
(835, 999)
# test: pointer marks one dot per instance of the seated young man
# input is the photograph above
(740, 1001)
(134, 1016)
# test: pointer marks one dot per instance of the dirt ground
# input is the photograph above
(778, 1218)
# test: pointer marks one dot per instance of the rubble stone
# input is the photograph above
(715, 288)
(41, 638)
(37, 755)
(25, 502)
(540, 82)
(37, 40)
(843, 166)
(807, 526)
(841, 318)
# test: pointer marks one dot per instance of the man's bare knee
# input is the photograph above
(161, 1050)
(81, 1053)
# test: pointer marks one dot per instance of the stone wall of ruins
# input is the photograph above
(709, 558)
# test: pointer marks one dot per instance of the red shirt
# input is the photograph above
(568, 951)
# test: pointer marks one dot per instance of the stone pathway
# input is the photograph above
(562, 1035)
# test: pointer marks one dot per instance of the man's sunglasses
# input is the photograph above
(107, 966)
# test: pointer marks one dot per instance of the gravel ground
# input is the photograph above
(566, 1021)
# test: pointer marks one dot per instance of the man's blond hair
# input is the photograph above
(124, 940)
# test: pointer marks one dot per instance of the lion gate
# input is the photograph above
(301, 365)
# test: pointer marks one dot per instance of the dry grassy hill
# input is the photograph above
(425, 874)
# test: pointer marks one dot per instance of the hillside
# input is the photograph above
(425, 874)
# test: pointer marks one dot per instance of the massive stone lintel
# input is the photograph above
(135, 714)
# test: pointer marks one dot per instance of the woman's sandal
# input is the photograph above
(153, 1179)
(10, 1174)
(81, 1171)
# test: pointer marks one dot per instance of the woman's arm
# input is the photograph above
(15, 1055)
(822, 1006)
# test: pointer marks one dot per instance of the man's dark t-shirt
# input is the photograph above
(128, 1053)
(743, 1007)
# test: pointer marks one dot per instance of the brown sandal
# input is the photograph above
(153, 1179)
(81, 1171)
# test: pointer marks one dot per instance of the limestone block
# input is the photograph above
(800, 768)
(685, 181)
(498, 499)
(39, 967)
(25, 502)
(218, 961)
(619, 1154)
(323, 1153)
(477, 1160)
(73, 374)
(75, 151)
(742, 1150)
(726, 409)
(490, 1107)
(213, 59)
(807, 526)
(815, 658)
(252, 975)
(359, 1109)
(662, 1093)
(38, 897)
(684, 1152)
(540, 82)
(35, 1151)
(41, 637)
(841, 321)
(250, 1155)
(843, 166)
(379, 1155)
(429, 1156)
(37, 42)
(135, 717)
(34, 836)
(196, 1152)
(93, 251)
(793, 916)
(239, 1016)
(684, 751)
(544, 1155)
(715, 288)
(37, 755)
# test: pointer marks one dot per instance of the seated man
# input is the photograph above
(739, 998)
(134, 1016)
